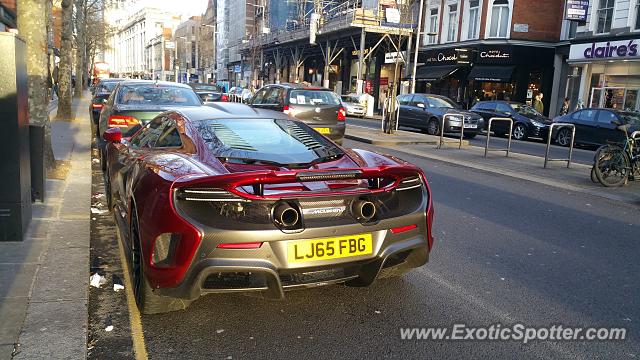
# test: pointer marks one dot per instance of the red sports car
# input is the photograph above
(233, 199)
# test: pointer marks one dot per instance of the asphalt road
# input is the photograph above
(535, 147)
(506, 252)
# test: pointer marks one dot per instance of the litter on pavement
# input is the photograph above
(97, 281)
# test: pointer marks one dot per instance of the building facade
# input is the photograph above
(207, 44)
(476, 50)
(186, 40)
(602, 57)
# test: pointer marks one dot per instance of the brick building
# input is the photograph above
(489, 49)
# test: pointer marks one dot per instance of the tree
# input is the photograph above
(32, 26)
(81, 61)
(66, 59)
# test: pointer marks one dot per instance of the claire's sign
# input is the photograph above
(610, 50)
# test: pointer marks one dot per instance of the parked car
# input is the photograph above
(352, 106)
(236, 199)
(320, 108)
(242, 94)
(527, 122)
(425, 112)
(101, 93)
(133, 103)
(595, 126)
(209, 93)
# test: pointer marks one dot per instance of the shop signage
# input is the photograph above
(237, 69)
(463, 56)
(610, 50)
(442, 57)
(384, 81)
(357, 52)
(521, 28)
(494, 54)
(390, 58)
(577, 10)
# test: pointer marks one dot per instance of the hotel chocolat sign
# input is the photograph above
(610, 50)
(442, 57)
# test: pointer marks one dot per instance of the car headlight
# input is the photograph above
(537, 123)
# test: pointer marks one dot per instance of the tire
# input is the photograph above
(433, 127)
(147, 301)
(594, 178)
(563, 137)
(612, 166)
(107, 191)
(519, 132)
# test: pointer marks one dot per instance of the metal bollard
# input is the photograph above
(451, 116)
(508, 149)
(573, 136)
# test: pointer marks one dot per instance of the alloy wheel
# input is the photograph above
(564, 137)
(432, 127)
(519, 132)
(136, 263)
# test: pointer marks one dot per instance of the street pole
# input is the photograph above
(415, 55)
(359, 80)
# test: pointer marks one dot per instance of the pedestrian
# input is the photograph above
(566, 105)
(537, 103)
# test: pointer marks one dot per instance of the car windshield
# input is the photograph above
(313, 97)
(441, 103)
(524, 109)
(157, 95)
(628, 117)
(278, 141)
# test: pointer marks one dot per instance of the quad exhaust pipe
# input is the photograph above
(363, 210)
(286, 216)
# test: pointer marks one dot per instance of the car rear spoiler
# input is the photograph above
(380, 179)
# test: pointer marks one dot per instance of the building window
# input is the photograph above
(605, 16)
(433, 26)
(452, 27)
(474, 19)
(637, 24)
(499, 19)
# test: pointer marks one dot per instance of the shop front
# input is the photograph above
(487, 72)
(605, 74)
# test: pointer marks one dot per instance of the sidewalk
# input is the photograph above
(401, 137)
(520, 166)
(44, 279)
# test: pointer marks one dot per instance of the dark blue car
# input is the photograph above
(527, 122)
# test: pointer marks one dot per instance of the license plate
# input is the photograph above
(329, 248)
(323, 130)
(470, 126)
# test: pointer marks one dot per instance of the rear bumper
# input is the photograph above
(224, 275)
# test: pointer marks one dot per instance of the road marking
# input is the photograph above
(137, 334)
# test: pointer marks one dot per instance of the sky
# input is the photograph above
(183, 7)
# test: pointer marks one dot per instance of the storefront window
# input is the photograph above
(535, 84)
(615, 86)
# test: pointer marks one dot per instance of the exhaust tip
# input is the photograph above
(286, 216)
(364, 210)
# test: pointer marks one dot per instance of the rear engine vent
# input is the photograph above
(326, 176)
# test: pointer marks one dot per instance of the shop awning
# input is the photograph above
(491, 73)
(435, 73)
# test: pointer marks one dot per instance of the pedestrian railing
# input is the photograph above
(386, 105)
(508, 149)
(456, 118)
(573, 136)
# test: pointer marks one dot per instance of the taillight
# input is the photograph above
(96, 106)
(249, 245)
(285, 109)
(401, 229)
(122, 121)
(224, 98)
(342, 114)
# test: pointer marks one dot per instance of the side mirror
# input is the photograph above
(420, 105)
(616, 122)
(113, 135)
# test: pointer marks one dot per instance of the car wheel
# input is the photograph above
(520, 132)
(148, 302)
(433, 127)
(563, 138)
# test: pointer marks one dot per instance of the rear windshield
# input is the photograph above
(204, 87)
(279, 141)
(157, 95)
(106, 87)
(313, 97)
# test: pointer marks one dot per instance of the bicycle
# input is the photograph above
(616, 164)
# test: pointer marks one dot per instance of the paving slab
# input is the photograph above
(62, 280)
(16, 280)
(12, 313)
